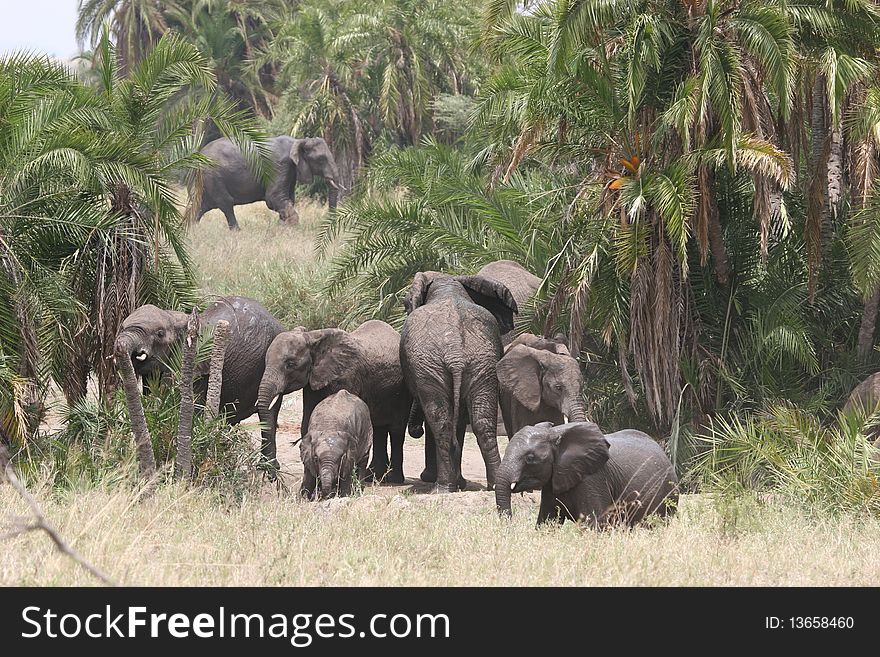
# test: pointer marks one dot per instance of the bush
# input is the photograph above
(788, 451)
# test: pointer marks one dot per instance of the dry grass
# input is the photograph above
(188, 538)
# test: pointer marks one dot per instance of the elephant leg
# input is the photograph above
(439, 420)
(460, 431)
(429, 474)
(309, 485)
(395, 476)
(379, 466)
(288, 214)
(483, 410)
(549, 511)
(228, 210)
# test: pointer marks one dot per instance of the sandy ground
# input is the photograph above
(472, 465)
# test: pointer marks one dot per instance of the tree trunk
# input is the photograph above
(866, 329)
(143, 442)
(215, 377)
(183, 462)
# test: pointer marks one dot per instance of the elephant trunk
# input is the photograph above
(328, 480)
(271, 388)
(576, 412)
(502, 490)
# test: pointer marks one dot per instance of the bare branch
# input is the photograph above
(215, 378)
(183, 462)
(40, 522)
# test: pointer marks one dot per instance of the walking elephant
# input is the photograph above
(583, 475)
(365, 362)
(449, 346)
(337, 446)
(539, 381)
(149, 334)
(231, 182)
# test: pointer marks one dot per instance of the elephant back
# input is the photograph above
(382, 386)
(520, 281)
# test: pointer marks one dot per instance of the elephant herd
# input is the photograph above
(453, 363)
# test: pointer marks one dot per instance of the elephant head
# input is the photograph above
(486, 292)
(147, 337)
(546, 376)
(544, 455)
(329, 456)
(313, 157)
(298, 358)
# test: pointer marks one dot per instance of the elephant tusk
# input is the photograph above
(274, 401)
(512, 485)
(333, 184)
(141, 357)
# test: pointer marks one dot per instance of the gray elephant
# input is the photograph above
(149, 333)
(520, 281)
(336, 446)
(449, 346)
(365, 362)
(231, 182)
(584, 475)
(539, 381)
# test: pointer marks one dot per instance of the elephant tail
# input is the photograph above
(456, 398)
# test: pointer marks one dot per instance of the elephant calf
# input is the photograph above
(584, 475)
(337, 445)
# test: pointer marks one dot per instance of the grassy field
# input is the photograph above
(393, 536)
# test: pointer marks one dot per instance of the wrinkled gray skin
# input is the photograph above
(520, 281)
(149, 333)
(338, 443)
(865, 397)
(230, 182)
(365, 362)
(449, 346)
(539, 382)
(583, 475)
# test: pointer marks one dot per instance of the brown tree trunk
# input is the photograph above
(143, 442)
(866, 329)
(215, 376)
(183, 462)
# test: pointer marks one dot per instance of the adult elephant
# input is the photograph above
(449, 346)
(150, 333)
(520, 281)
(584, 475)
(230, 181)
(364, 362)
(539, 381)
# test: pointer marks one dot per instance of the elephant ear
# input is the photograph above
(301, 161)
(493, 296)
(582, 449)
(334, 355)
(418, 291)
(305, 452)
(520, 373)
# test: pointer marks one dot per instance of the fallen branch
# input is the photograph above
(39, 522)
(183, 461)
(215, 377)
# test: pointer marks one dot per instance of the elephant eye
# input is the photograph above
(531, 458)
(160, 334)
(290, 363)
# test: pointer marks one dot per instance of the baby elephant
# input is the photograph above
(585, 475)
(338, 441)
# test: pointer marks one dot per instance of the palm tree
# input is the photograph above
(89, 225)
(136, 25)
